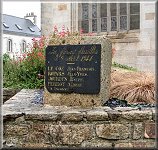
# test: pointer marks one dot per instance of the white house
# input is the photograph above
(18, 34)
(130, 26)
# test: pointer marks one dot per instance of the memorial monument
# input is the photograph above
(78, 75)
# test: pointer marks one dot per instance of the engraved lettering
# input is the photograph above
(72, 79)
(71, 67)
(58, 79)
(86, 58)
(71, 84)
(60, 89)
(56, 83)
(55, 73)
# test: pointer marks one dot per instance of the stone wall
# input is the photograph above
(136, 48)
(33, 125)
(8, 93)
(62, 16)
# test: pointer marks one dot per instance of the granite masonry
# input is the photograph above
(30, 125)
(8, 93)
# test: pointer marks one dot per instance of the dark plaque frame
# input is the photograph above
(73, 68)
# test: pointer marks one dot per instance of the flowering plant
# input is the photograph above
(35, 59)
(24, 72)
(64, 37)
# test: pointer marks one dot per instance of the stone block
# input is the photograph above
(88, 100)
(12, 141)
(114, 115)
(20, 119)
(113, 131)
(138, 131)
(62, 7)
(143, 144)
(97, 143)
(8, 114)
(149, 16)
(70, 134)
(96, 115)
(150, 130)
(145, 53)
(35, 145)
(71, 116)
(123, 145)
(137, 115)
(40, 127)
(41, 115)
(12, 129)
(144, 43)
(36, 137)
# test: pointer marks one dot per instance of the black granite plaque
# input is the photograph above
(73, 68)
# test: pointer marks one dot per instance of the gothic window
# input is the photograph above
(85, 17)
(94, 17)
(106, 17)
(134, 16)
(113, 12)
(123, 16)
(103, 15)
(9, 45)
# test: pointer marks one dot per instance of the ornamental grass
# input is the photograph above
(135, 87)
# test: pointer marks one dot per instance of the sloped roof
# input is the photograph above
(19, 26)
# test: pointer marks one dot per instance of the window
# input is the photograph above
(10, 45)
(23, 46)
(106, 17)
(18, 26)
(31, 29)
(134, 16)
(5, 25)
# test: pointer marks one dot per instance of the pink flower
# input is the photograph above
(55, 29)
(63, 28)
(81, 31)
(40, 54)
(90, 34)
(62, 34)
(33, 39)
(24, 55)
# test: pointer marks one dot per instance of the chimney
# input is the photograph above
(31, 16)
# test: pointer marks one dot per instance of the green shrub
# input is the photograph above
(117, 65)
(23, 72)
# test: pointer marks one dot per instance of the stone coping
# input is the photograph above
(21, 105)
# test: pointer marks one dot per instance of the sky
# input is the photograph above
(20, 9)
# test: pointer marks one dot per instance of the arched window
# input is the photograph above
(23, 46)
(9, 45)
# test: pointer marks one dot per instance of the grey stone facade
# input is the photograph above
(134, 48)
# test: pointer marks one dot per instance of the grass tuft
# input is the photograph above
(134, 87)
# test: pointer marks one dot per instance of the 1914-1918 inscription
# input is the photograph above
(73, 68)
